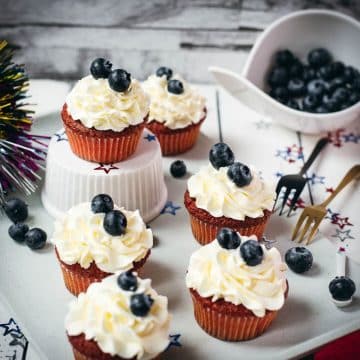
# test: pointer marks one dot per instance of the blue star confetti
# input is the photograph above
(342, 235)
(262, 124)
(11, 327)
(170, 208)
(331, 215)
(150, 137)
(315, 179)
(61, 136)
(14, 339)
(351, 137)
(174, 341)
(278, 174)
(290, 153)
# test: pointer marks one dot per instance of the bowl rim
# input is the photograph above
(287, 18)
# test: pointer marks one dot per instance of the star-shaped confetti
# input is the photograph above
(329, 190)
(174, 341)
(262, 124)
(341, 222)
(342, 235)
(351, 137)
(267, 242)
(300, 204)
(11, 328)
(106, 168)
(335, 137)
(331, 214)
(150, 137)
(290, 153)
(279, 174)
(315, 179)
(170, 208)
(61, 136)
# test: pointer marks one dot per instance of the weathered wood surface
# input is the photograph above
(59, 38)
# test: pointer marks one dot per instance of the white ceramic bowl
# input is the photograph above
(300, 32)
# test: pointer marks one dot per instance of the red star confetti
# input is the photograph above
(106, 168)
(340, 221)
(335, 137)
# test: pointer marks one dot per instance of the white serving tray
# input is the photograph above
(32, 283)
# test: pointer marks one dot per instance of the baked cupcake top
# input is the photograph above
(246, 274)
(124, 315)
(232, 190)
(174, 102)
(112, 101)
(114, 239)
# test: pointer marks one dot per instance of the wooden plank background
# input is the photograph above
(59, 38)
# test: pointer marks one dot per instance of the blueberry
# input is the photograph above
(342, 288)
(240, 174)
(221, 155)
(350, 73)
(119, 80)
(336, 83)
(299, 259)
(280, 94)
(284, 57)
(293, 104)
(35, 238)
(316, 87)
(337, 68)
(163, 70)
(296, 70)
(321, 109)
(354, 98)
(178, 169)
(102, 203)
(326, 72)
(308, 74)
(127, 281)
(318, 57)
(356, 84)
(296, 87)
(18, 231)
(278, 77)
(310, 102)
(100, 68)
(228, 238)
(115, 223)
(329, 103)
(341, 95)
(252, 252)
(175, 87)
(16, 210)
(140, 304)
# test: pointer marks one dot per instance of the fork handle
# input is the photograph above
(353, 173)
(317, 149)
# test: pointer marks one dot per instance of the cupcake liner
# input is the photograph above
(78, 281)
(175, 142)
(229, 326)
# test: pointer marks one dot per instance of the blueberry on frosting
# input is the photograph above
(221, 155)
(127, 281)
(163, 70)
(115, 223)
(342, 288)
(228, 238)
(240, 174)
(100, 68)
(140, 304)
(102, 203)
(252, 252)
(175, 87)
(119, 80)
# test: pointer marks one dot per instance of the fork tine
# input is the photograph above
(294, 200)
(278, 190)
(305, 229)
(286, 196)
(300, 221)
(313, 231)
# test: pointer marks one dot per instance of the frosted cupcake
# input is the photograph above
(94, 240)
(104, 114)
(176, 111)
(122, 317)
(227, 194)
(237, 286)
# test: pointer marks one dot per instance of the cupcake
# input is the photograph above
(237, 286)
(121, 317)
(104, 114)
(176, 111)
(230, 194)
(94, 240)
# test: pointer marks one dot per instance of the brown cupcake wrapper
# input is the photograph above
(205, 232)
(105, 150)
(230, 327)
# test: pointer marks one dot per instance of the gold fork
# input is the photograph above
(315, 213)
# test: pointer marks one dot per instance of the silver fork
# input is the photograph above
(297, 181)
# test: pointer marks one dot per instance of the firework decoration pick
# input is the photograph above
(21, 154)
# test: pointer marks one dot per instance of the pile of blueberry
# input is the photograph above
(174, 86)
(140, 304)
(250, 250)
(115, 221)
(17, 211)
(119, 79)
(299, 259)
(221, 155)
(321, 86)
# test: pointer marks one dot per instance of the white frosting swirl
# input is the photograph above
(80, 237)
(96, 105)
(103, 314)
(223, 274)
(214, 192)
(175, 111)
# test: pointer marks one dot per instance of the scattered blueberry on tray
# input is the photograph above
(299, 259)
(320, 86)
(178, 169)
